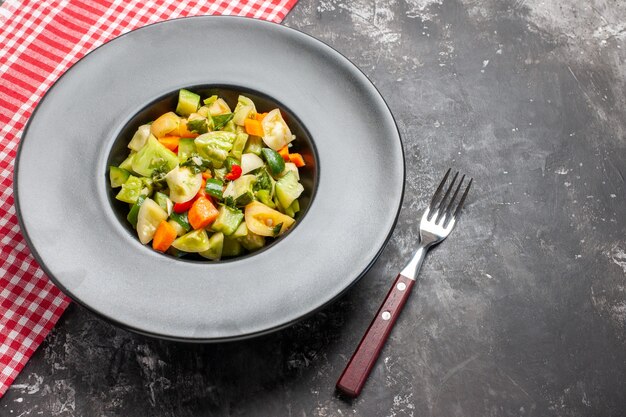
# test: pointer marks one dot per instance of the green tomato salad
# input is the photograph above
(209, 180)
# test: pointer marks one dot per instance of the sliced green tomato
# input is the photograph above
(181, 219)
(183, 184)
(263, 220)
(215, 146)
(217, 107)
(196, 241)
(250, 162)
(241, 190)
(241, 231)
(180, 230)
(239, 145)
(117, 176)
(288, 189)
(231, 247)
(188, 102)
(214, 188)
(148, 219)
(186, 148)
(134, 211)
(228, 220)
(264, 197)
(139, 138)
(131, 190)
(127, 163)
(252, 241)
(216, 244)
(152, 156)
(244, 107)
(275, 162)
(163, 201)
(254, 145)
(203, 111)
(164, 124)
(291, 167)
(276, 133)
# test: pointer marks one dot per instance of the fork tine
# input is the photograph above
(460, 206)
(433, 201)
(440, 211)
(448, 210)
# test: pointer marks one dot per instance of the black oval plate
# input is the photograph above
(69, 224)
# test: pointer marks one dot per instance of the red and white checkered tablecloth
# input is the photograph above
(39, 41)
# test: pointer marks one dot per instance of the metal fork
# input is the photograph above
(436, 224)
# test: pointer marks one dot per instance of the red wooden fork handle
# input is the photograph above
(358, 368)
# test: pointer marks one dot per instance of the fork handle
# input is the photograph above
(358, 368)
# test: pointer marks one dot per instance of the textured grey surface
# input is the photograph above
(522, 312)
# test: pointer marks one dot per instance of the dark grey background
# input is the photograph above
(522, 312)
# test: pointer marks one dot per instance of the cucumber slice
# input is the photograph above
(252, 241)
(231, 247)
(163, 201)
(117, 176)
(239, 145)
(196, 241)
(230, 161)
(181, 219)
(219, 173)
(134, 211)
(275, 162)
(241, 231)
(288, 189)
(188, 102)
(264, 197)
(131, 190)
(148, 219)
(214, 188)
(228, 220)
(216, 244)
(186, 148)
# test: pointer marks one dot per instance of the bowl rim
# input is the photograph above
(35, 253)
